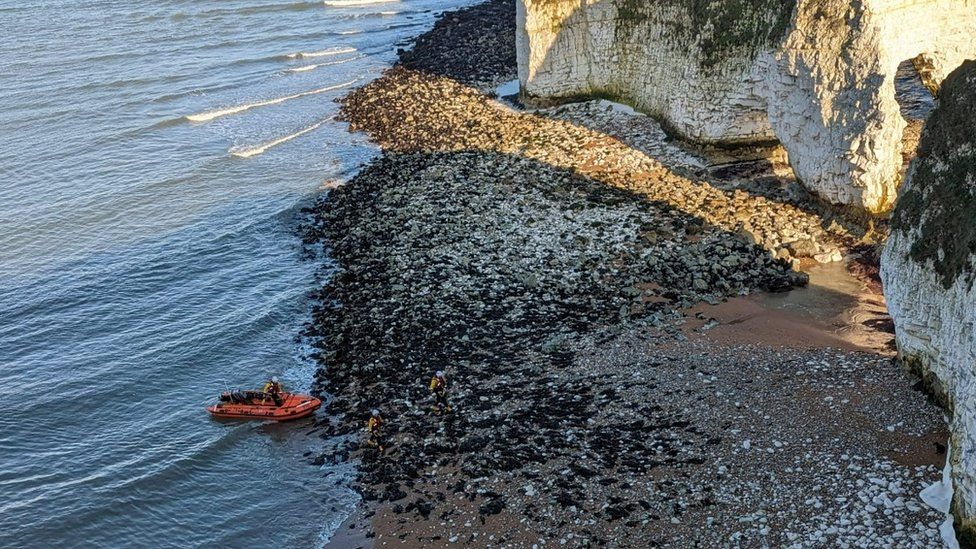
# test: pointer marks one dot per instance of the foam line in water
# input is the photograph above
(304, 68)
(207, 116)
(351, 3)
(323, 53)
(254, 151)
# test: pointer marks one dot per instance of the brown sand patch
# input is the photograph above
(744, 320)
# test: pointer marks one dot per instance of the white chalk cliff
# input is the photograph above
(929, 269)
(817, 75)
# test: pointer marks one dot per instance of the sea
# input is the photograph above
(154, 161)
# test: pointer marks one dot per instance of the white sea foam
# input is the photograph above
(207, 116)
(351, 3)
(322, 53)
(304, 68)
(939, 497)
(254, 151)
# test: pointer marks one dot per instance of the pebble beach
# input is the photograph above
(593, 291)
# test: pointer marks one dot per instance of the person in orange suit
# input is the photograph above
(438, 386)
(273, 389)
(374, 430)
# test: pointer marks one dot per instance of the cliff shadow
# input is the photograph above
(476, 47)
(499, 269)
(497, 243)
(428, 114)
(482, 241)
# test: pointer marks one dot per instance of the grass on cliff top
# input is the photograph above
(940, 197)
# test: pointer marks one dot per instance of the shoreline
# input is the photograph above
(587, 290)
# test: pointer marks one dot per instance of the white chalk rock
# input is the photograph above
(818, 75)
(929, 269)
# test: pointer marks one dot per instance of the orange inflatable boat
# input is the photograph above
(258, 405)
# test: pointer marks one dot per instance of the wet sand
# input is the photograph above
(835, 310)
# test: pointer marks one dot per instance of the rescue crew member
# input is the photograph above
(273, 389)
(438, 386)
(374, 428)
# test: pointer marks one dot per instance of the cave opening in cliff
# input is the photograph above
(914, 98)
(916, 102)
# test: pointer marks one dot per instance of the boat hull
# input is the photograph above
(293, 406)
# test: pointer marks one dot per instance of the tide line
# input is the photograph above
(207, 116)
(254, 151)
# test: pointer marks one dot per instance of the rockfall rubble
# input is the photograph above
(928, 270)
(817, 76)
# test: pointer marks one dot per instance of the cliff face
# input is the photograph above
(929, 267)
(816, 75)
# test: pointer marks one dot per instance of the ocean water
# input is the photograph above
(913, 97)
(154, 158)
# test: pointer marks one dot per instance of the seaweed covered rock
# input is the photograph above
(928, 270)
(817, 76)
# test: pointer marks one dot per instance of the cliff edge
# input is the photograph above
(929, 267)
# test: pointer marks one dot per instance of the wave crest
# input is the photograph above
(304, 68)
(210, 115)
(254, 151)
(322, 53)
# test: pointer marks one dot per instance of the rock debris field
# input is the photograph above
(545, 263)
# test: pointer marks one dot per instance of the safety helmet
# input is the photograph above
(375, 412)
(274, 379)
(440, 373)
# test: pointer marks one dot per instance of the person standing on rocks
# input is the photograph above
(438, 386)
(374, 429)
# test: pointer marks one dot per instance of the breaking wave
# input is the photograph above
(207, 116)
(322, 53)
(254, 151)
(304, 68)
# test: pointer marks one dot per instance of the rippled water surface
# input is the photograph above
(914, 98)
(153, 160)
